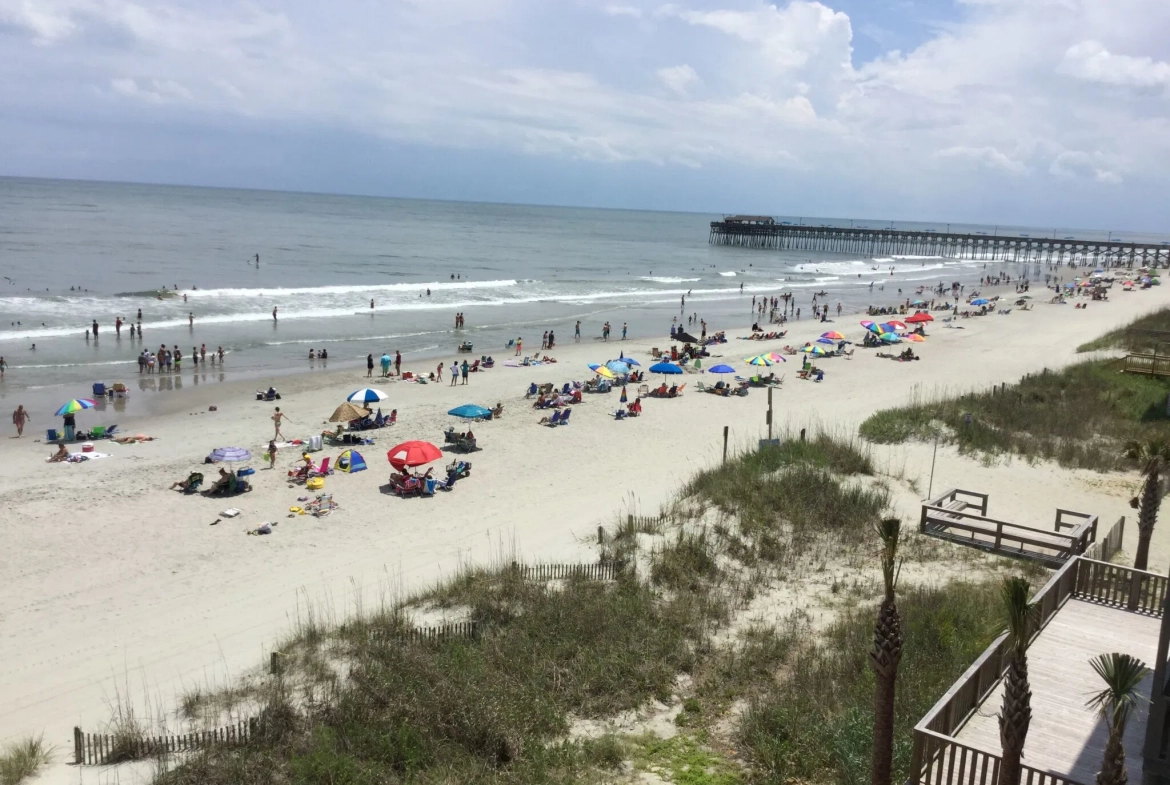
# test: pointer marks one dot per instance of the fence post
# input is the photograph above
(600, 535)
(725, 428)
(78, 747)
(276, 664)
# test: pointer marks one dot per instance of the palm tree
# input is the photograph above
(886, 653)
(1151, 457)
(1016, 714)
(1122, 675)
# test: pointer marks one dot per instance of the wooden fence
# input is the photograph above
(937, 757)
(600, 571)
(464, 630)
(1148, 364)
(1106, 548)
(99, 749)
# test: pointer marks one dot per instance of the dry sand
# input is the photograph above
(110, 581)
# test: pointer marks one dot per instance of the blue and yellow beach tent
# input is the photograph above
(351, 461)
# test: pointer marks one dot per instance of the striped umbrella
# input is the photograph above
(366, 395)
(914, 337)
(759, 359)
(776, 357)
(76, 405)
(833, 335)
(230, 454)
(814, 350)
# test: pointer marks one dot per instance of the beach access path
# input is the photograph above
(113, 584)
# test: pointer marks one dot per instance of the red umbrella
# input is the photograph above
(919, 317)
(897, 324)
(413, 454)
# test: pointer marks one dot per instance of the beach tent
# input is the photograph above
(351, 461)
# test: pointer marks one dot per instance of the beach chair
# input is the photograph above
(556, 418)
(193, 482)
(643, 390)
(701, 387)
(322, 470)
(565, 417)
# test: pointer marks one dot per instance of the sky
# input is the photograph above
(1036, 112)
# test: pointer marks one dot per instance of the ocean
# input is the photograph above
(75, 252)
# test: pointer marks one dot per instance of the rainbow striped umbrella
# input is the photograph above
(776, 357)
(76, 405)
(814, 350)
(759, 359)
(833, 335)
(914, 337)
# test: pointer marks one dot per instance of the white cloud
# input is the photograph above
(987, 93)
(678, 78)
(988, 156)
(1091, 61)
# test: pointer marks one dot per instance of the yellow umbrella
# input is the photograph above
(601, 370)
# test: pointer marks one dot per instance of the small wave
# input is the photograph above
(663, 279)
(363, 288)
(128, 361)
(350, 338)
(728, 275)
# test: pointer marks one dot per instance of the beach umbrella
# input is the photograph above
(895, 324)
(776, 357)
(829, 341)
(889, 337)
(759, 359)
(366, 395)
(918, 303)
(601, 370)
(834, 335)
(814, 350)
(887, 327)
(631, 362)
(877, 329)
(919, 318)
(230, 454)
(980, 301)
(623, 399)
(914, 337)
(867, 324)
(413, 454)
(722, 369)
(346, 412)
(469, 411)
(76, 405)
(665, 368)
(618, 367)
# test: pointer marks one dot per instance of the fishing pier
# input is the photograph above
(755, 231)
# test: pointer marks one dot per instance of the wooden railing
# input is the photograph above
(1149, 364)
(942, 515)
(598, 571)
(1107, 547)
(937, 757)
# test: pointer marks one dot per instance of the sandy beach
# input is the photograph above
(112, 581)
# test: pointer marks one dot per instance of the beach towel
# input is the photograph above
(82, 457)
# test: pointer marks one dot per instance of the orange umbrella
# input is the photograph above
(413, 454)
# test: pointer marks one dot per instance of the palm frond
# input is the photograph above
(1020, 612)
(1123, 675)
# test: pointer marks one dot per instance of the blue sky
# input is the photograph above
(1022, 111)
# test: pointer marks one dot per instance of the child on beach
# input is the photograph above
(272, 454)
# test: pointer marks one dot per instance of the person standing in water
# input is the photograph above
(95, 329)
(369, 365)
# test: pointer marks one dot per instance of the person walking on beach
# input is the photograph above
(385, 361)
(624, 328)
(552, 339)
(19, 418)
(454, 372)
(397, 363)
(369, 365)
(577, 332)
(463, 369)
(274, 313)
(519, 346)
(277, 419)
(439, 372)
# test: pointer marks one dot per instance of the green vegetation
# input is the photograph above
(1080, 417)
(361, 705)
(789, 498)
(1133, 337)
(817, 723)
(21, 760)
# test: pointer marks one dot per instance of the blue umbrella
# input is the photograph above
(829, 341)
(980, 301)
(230, 454)
(630, 361)
(366, 395)
(618, 367)
(721, 369)
(469, 411)
(668, 368)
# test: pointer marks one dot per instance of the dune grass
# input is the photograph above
(816, 724)
(21, 760)
(1132, 337)
(1079, 416)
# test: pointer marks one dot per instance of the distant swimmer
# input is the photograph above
(257, 260)
(274, 313)
(371, 304)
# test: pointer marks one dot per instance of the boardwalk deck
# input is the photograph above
(961, 516)
(1065, 737)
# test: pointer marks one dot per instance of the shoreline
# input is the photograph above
(115, 579)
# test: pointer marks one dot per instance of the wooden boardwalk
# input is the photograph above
(1065, 737)
(960, 516)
